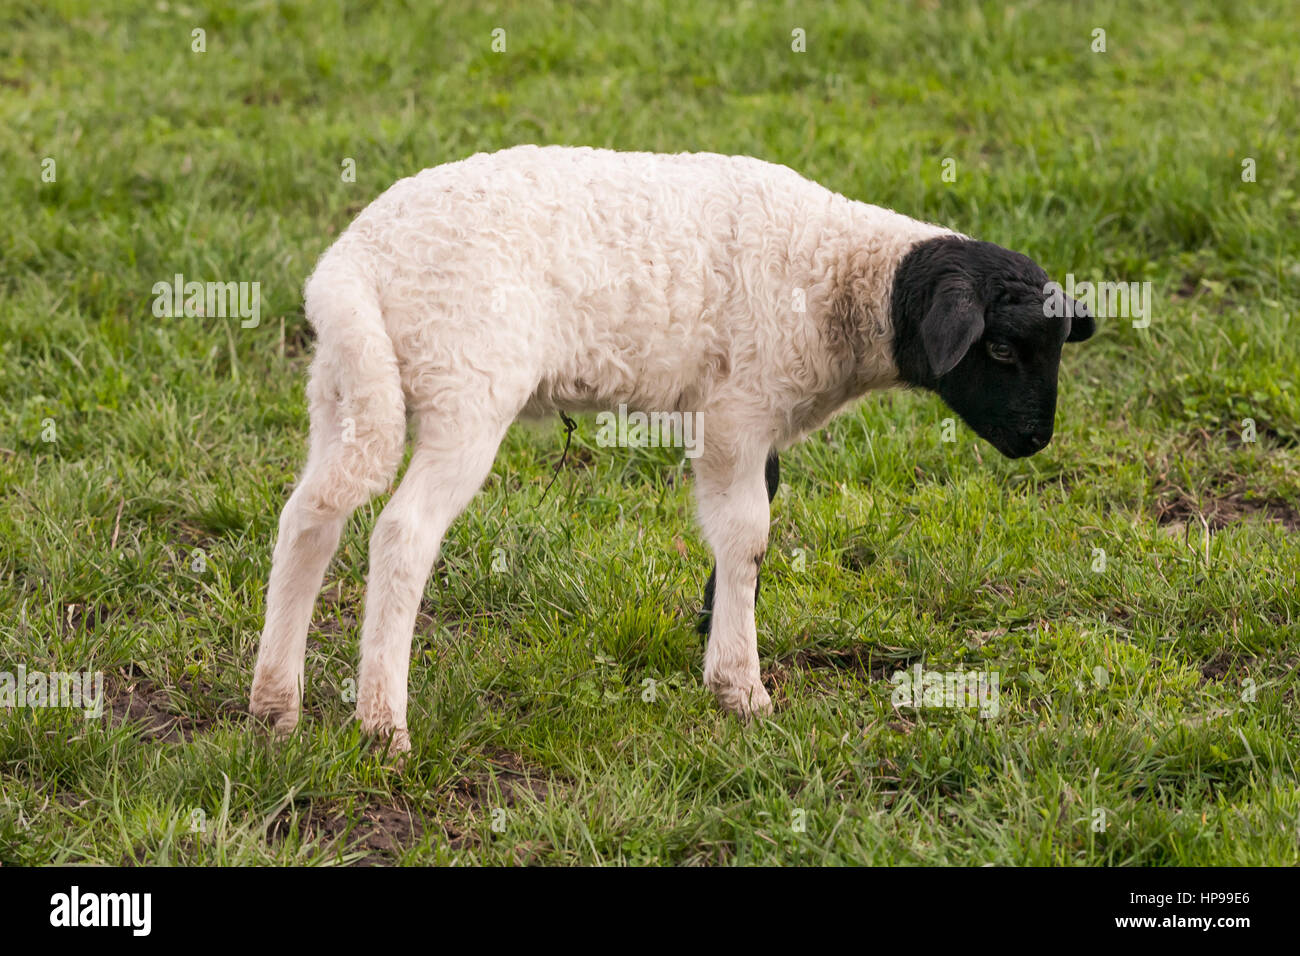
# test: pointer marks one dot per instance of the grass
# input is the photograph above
(1148, 711)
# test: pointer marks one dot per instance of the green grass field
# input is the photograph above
(1148, 708)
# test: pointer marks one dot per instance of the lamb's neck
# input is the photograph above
(873, 243)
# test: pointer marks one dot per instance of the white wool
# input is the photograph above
(538, 279)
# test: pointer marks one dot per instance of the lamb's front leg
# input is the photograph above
(734, 516)
(772, 476)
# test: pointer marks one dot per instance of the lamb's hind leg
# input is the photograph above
(351, 457)
(310, 525)
(451, 459)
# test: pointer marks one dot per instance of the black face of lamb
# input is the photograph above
(971, 324)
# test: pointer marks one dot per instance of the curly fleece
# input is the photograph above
(538, 279)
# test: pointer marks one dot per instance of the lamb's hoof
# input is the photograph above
(744, 700)
(393, 742)
(275, 711)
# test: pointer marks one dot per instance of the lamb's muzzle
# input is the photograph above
(541, 279)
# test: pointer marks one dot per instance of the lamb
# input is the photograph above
(538, 280)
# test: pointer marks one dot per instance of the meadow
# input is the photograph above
(1134, 586)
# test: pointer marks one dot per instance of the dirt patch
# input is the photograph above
(1222, 511)
(478, 796)
(154, 712)
(1187, 287)
(1222, 665)
(858, 556)
(379, 831)
(83, 618)
(873, 663)
(262, 97)
(513, 778)
(335, 614)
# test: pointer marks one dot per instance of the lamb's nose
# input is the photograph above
(1040, 438)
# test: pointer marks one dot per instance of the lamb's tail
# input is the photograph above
(358, 410)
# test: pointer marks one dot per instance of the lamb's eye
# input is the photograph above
(1001, 352)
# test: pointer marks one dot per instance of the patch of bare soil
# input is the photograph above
(858, 556)
(873, 663)
(1188, 287)
(75, 618)
(155, 713)
(380, 831)
(335, 613)
(512, 778)
(867, 663)
(1222, 665)
(1221, 511)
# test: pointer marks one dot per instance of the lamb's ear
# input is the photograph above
(953, 324)
(1082, 324)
